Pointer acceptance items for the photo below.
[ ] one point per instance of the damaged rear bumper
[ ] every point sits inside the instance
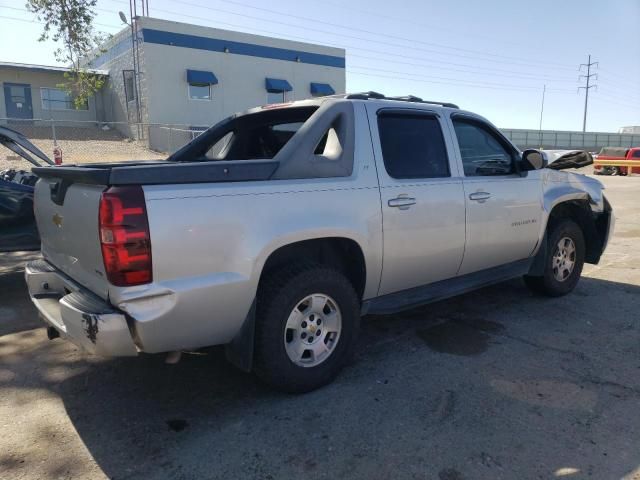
(77, 314)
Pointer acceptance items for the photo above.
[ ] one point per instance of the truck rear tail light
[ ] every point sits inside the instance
(124, 236)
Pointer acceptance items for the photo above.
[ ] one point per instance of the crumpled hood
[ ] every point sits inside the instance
(561, 159)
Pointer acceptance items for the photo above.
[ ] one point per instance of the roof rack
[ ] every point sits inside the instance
(405, 98)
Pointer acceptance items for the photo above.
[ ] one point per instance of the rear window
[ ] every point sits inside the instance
(255, 136)
(412, 146)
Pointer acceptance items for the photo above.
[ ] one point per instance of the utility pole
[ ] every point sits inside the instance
(544, 89)
(588, 85)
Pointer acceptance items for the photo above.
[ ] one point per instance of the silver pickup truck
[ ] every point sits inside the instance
(276, 229)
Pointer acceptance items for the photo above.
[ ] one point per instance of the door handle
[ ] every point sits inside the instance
(403, 202)
(480, 197)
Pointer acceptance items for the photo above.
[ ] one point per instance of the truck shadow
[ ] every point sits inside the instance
(202, 418)
(17, 313)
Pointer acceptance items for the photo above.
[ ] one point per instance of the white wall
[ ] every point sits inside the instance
(241, 78)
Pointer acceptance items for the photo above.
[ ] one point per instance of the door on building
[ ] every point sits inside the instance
(17, 100)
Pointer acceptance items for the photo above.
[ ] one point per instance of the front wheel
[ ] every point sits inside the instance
(563, 263)
(306, 327)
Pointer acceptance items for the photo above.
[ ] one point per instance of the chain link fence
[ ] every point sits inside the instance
(92, 141)
(88, 142)
(566, 140)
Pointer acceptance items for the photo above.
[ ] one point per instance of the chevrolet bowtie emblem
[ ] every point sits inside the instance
(57, 220)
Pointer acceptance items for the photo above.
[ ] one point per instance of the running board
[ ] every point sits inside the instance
(417, 296)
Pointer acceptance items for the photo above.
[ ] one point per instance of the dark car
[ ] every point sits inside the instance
(17, 224)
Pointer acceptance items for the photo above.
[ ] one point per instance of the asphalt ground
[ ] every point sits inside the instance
(495, 384)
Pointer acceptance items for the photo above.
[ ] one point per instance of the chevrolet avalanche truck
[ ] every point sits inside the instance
(276, 229)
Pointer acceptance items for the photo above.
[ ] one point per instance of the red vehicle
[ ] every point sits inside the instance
(615, 161)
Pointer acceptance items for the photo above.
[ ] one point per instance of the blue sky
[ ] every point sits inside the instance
(492, 57)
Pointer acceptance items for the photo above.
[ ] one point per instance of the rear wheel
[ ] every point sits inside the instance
(564, 260)
(306, 329)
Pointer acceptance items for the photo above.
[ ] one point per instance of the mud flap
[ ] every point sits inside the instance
(537, 267)
(239, 351)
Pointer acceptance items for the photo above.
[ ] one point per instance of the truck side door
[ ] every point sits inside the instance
(504, 208)
(422, 198)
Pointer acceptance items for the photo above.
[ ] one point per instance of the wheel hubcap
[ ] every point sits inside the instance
(313, 329)
(564, 259)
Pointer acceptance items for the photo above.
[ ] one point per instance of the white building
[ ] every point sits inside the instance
(192, 76)
(631, 129)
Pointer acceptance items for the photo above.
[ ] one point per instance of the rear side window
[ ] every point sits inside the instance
(412, 146)
(636, 154)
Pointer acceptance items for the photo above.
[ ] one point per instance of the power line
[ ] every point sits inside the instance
(619, 100)
(608, 101)
(396, 75)
(38, 22)
(455, 83)
(618, 79)
(472, 69)
(526, 87)
(619, 85)
(410, 20)
(376, 34)
(350, 47)
(626, 98)
(369, 40)
(587, 78)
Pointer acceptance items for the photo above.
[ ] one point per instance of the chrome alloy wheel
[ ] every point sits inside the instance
(564, 259)
(312, 331)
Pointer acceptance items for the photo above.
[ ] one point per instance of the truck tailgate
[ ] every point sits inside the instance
(68, 225)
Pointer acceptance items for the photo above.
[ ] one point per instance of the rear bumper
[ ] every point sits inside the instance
(79, 315)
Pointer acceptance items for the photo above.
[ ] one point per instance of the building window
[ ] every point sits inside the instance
(200, 91)
(321, 89)
(57, 99)
(128, 77)
(276, 97)
(200, 82)
(277, 90)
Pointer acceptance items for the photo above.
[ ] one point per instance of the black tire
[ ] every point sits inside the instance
(548, 284)
(279, 293)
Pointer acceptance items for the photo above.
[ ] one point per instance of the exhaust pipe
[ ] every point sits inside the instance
(173, 357)
(52, 333)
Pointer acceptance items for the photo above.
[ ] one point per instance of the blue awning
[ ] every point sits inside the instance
(275, 85)
(321, 89)
(200, 76)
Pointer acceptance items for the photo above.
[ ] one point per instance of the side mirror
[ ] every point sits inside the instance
(532, 160)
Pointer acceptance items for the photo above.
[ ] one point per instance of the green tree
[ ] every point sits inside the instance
(70, 23)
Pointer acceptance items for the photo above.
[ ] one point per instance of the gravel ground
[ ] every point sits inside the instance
(496, 384)
(79, 145)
